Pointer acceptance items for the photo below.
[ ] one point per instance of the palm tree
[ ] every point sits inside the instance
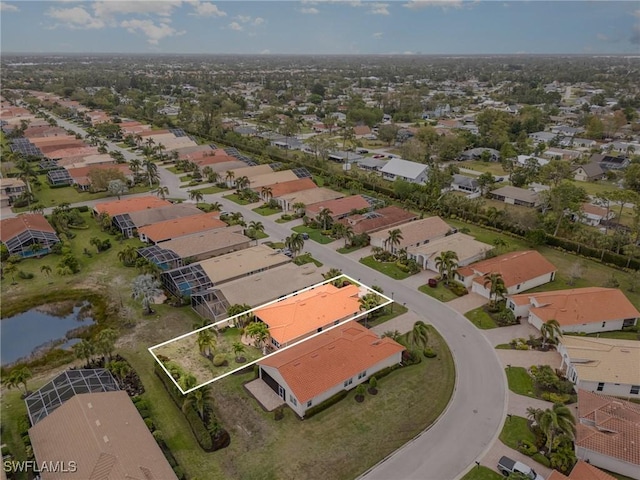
(17, 377)
(105, 342)
(259, 332)
(119, 369)
(198, 399)
(348, 234)
(11, 269)
(394, 239)
(333, 273)
(145, 288)
(298, 208)
(447, 263)
(295, 243)
(46, 269)
(37, 208)
(324, 218)
(84, 349)
(418, 337)
(267, 193)
(367, 303)
(550, 331)
(196, 195)
(162, 192)
(137, 138)
(238, 349)
(187, 381)
(128, 255)
(557, 420)
(206, 342)
(151, 169)
(216, 206)
(242, 183)
(27, 173)
(497, 288)
(254, 228)
(229, 178)
(135, 164)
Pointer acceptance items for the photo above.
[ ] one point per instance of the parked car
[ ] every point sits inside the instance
(305, 236)
(508, 466)
(378, 156)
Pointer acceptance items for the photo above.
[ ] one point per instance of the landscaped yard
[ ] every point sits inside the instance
(482, 473)
(390, 311)
(266, 211)
(345, 250)
(481, 319)
(440, 292)
(235, 198)
(492, 167)
(306, 258)
(388, 268)
(210, 190)
(520, 381)
(516, 430)
(618, 335)
(314, 234)
(342, 441)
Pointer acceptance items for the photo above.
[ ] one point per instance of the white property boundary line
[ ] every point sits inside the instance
(230, 319)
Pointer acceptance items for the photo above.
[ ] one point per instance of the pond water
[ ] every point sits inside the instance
(35, 330)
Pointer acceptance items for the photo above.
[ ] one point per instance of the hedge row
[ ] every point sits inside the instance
(326, 404)
(199, 429)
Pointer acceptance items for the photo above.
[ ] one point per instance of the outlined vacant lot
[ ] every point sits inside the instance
(285, 322)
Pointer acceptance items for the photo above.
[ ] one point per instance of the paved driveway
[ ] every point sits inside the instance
(467, 303)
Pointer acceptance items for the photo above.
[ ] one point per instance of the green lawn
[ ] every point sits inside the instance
(520, 381)
(51, 197)
(391, 311)
(440, 292)
(388, 268)
(481, 319)
(515, 430)
(266, 211)
(275, 245)
(492, 167)
(338, 441)
(260, 235)
(235, 198)
(306, 258)
(345, 250)
(314, 234)
(210, 190)
(175, 170)
(281, 220)
(619, 335)
(482, 473)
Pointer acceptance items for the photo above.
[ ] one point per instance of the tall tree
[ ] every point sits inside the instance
(295, 243)
(550, 331)
(206, 342)
(418, 336)
(394, 239)
(497, 288)
(145, 288)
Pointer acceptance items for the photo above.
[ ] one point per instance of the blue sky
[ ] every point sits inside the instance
(321, 27)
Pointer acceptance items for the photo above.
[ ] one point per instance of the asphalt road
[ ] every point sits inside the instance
(474, 416)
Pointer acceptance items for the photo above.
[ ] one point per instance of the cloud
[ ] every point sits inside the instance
(378, 8)
(244, 18)
(266, 51)
(416, 4)
(75, 18)
(110, 9)
(377, 35)
(258, 21)
(310, 11)
(6, 7)
(206, 9)
(602, 36)
(235, 26)
(635, 29)
(154, 32)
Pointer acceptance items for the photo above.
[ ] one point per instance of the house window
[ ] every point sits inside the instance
(600, 387)
(309, 403)
(635, 389)
(362, 375)
(628, 322)
(293, 400)
(518, 287)
(604, 324)
(348, 382)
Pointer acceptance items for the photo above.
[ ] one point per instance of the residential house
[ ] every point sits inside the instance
(302, 315)
(589, 310)
(209, 243)
(27, 235)
(516, 196)
(338, 359)
(581, 471)
(526, 159)
(605, 365)
(414, 234)
(589, 172)
(608, 433)
(259, 181)
(344, 157)
(492, 154)
(463, 183)
(543, 137)
(371, 164)
(339, 207)
(383, 218)
(467, 248)
(307, 197)
(179, 227)
(98, 435)
(128, 205)
(128, 223)
(81, 176)
(609, 162)
(10, 189)
(562, 154)
(520, 271)
(411, 172)
(582, 143)
(256, 289)
(593, 214)
(280, 189)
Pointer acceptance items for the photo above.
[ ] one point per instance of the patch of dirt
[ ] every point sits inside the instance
(57, 309)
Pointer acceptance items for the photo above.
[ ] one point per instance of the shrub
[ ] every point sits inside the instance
(429, 353)
(149, 423)
(541, 459)
(326, 404)
(556, 397)
(458, 289)
(373, 382)
(24, 275)
(158, 436)
(219, 360)
(411, 357)
(278, 413)
(83, 208)
(527, 447)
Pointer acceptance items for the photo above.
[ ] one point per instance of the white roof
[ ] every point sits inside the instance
(404, 168)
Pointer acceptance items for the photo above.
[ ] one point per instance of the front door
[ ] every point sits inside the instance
(281, 393)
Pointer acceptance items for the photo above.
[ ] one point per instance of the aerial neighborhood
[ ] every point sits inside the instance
(290, 267)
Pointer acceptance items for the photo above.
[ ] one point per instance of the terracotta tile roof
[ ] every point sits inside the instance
(80, 174)
(79, 151)
(580, 305)
(150, 216)
(515, 267)
(417, 231)
(251, 172)
(325, 361)
(380, 219)
(48, 141)
(584, 471)
(609, 426)
(128, 205)
(339, 206)
(556, 475)
(106, 437)
(10, 227)
(604, 359)
(361, 130)
(171, 229)
(291, 186)
(46, 149)
(299, 315)
(594, 210)
(312, 195)
(149, 133)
